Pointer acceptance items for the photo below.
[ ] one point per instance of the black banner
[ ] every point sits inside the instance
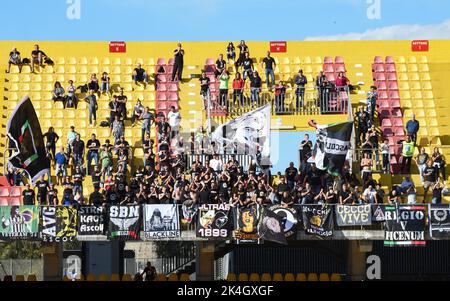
(271, 227)
(91, 220)
(247, 223)
(289, 219)
(318, 220)
(439, 220)
(58, 224)
(124, 222)
(405, 226)
(214, 221)
(353, 215)
(378, 213)
(161, 221)
(24, 131)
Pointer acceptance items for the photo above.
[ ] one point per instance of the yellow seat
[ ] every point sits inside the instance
(416, 85)
(71, 61)
(426, 85)
(91, 277)
(431, 113)
(412, 60)
(82, 69)
(423, 60)
(428, 95)
(161, 277)
(172, 277)
(424, 68)
(434, 132)
(20, 278)
(65, 278)
(149, 61)
(103, 277)
(419, 112)
(93, 61)
(32, 277)
(60, 69)
(413, 76)
(417, 95)
(401, 60)
(412, 68)
(93, 69)
(312, 277)
(116, 70)
(425, 76)
(80, 277)
(60, 61)
(429, 103)
(184, 277)
(254, 277)
(243, 277)
(277, 277)
(401, 68)
(115, 277)
(402, 77)
(324, 277)
(422, 132)
(336, 277)
(300, 277)
(116, 61)
(231, 277)
(289, 277)
(106, 61)
(127, 277)
(436, 141)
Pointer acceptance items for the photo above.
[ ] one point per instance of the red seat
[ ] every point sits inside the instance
(396, 112)
(378, 60)
(171, 61)
(15, 191)
(3, 202)
(173, 96)
(161, 96)
(328, 60)
(161, 61)
(172, 103)
(162, 106)
(15, 201)
(398, 131)
(387, 132)
(162, 78)
(339, 60)
(393, 86)
(394, 95)
(398, 122)
(328, 68)
(379, 77)
(162, 88)
(330, 77)
(169, 69)
(395, 104)
(382, 95)
(339, 68)
(384, 104)
(390, 68)
(381, 86)
(391, 76)
(210, 69)
(386, 122)
(4, 191)
(389, 60)
(172, 87)
(209, 61)
(378, 68)
(393, 160)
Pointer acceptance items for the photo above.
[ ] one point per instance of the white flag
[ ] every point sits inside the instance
(251, 132)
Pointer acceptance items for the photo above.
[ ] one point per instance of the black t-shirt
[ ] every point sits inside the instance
(314, 178)
(307, 147)
(344, 195)
(223, 188)
(111, 197)
(432, 176)
(96, 145)
(78, 178)
(437, 193)
(162, 126)
(204, 83)
(139, 72)
(220, 64)
(247, 63)
(42, 187)
(36, 53)
(28, 197)
(269, 62)
(96, 198)
(69, 189)
(179, 55)
(282, 187)
(52, 195)
(242, 49)
(291, 173)
(204, 196)
(78, 147)
(51, 137)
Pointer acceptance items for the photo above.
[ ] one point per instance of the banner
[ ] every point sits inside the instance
(19, 222)
(289, 219)
(214, 221)
(356, 215)
(91, 220)
(405, 226)
(318, 220)
(161, 221)
(250, 132)
(271, 227)
(246, 224)
(58, 224)
(439, 221)
(378, 213)
(124, 222)
(332, 145)
(25, 133)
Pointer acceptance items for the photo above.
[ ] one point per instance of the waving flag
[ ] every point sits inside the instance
(24, 132)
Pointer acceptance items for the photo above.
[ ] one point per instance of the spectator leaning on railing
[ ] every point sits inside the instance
(300, 81)
(238, 87)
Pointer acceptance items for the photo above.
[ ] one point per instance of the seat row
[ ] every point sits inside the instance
(285, 277)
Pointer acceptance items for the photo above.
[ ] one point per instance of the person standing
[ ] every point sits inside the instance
(28, 195)
(52, 139)
(269, 64)
(300, 81)
(93, 146)
(372, 97)
(305, 149)
(255, 87)
(178, 65)
(78, 151)
(412, 127)
(149, 272)
(147, 119)
(174, 118)
(421, 161)
(91, 99)
(42, 188)
(223, 89)
(117, 129)
(407, 154)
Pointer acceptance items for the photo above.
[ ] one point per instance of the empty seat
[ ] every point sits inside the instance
(377, 68)
(161, 277)
(231, 277)
(243, 277)
(126, 277)
(386, 122)
(32, 277)
(381, 86)
(312, 277)
(20, 278)
(379, 77)
(172, 277)
(4, 191)
(328, 60)
(15, 192)
(103, 277)
(335, 277)
(3, 201)
(184, 277)
(254, 277)
(277, 277)
(324, 277)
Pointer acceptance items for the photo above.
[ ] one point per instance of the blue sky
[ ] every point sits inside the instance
(200, 20)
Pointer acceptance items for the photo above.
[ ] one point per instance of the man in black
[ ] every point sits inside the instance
(93, 145)
(114, 110)
(291, 173)
(282, 187)
(78, 151)
(178, 64)
(28, 195)
(430, 177)
(52, 138)
(362, 119)
(247, 64)
(112, 198)
(52, 195)
(305, 149)
(300, 81)
(314, 177)
(96, 198)
(220, 65)
(139, 75)
(122, 100)
(37, 57)
(270, 65)
(204, 86)
(243, 49)
(163, 128)
(122, 144)
(42, 187)
(149, 272)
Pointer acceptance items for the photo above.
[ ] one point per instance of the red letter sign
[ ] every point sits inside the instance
(420, 45)
(117, 47)
(278, 46)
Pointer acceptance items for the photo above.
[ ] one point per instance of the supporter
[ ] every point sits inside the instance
(379, 195)
(71, 136)
(345, 196)
(68, 192)
(280, 95)
(223, 90)
(42, 188)
(96, 198)
(204, 86)
(366, 166)
(163, 128)
(117, 128)
(314, 178)
(386, 156)
(373, 138)
(325, 96)
(231, 53)
(93, 83)
(122, 100)
(243, 49)
(301, 81)
(149, 272)
(138, 110)
(369, 195)
(174, 119)
(238, 88)
(147, 119)
(52, 195)
(139, 75)
(93, 146)
(61, 160)
(412, 127)
(78, 149)
(178, 63)
(342, 81)
(437, 192)
(122, 162)
(58, 93)
(305, 149)
(105, 82)
(122, 145)
(321, 80)
(421, 161)
(247, 64)
(291, 173)
(362, 121)
(255, 87)
(28, 195)
(439, 163)
(408, 188)
(96, 177)
(37, 57)
(372, 97)
(220, 65)
(91, 100)
(394, 197)
(269, 64)
(77, 180)
(430, 177)
(14, 59)
(71, 98)
(105, 161)
(52, 138)
(407, 153)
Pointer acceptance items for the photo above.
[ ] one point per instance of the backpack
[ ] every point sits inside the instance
(104, 123)
(48, 61)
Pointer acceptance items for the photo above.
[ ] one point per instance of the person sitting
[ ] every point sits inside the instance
(342, 81)
(105, 82)
(58, 93)
(280, 95)
(220, 65)
(139, 75)
(37, 57)
(231, 53)
(93, 83)
(71, 98)
(138, 109)
(14, 59)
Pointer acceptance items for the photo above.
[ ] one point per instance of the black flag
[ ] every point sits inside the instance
(271, 227)
(24, 132)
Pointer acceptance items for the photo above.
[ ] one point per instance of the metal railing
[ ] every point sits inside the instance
(376, 157)
(23, 267)
(244, 160)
